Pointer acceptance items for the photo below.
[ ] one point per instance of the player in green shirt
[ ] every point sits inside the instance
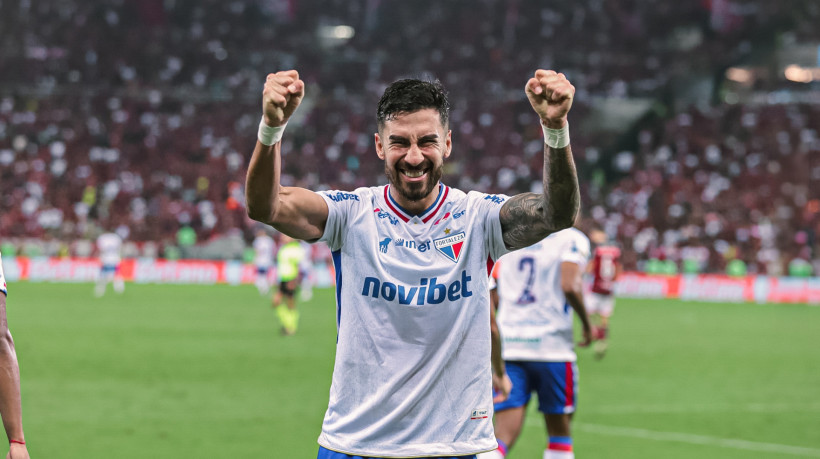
(288, 260)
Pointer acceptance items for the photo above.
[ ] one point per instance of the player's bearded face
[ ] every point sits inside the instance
(413, 147)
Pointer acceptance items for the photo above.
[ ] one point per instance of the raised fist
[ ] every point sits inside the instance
(550, 95)
(282, 94)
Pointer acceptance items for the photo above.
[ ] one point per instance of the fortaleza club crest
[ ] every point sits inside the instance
(451, 246)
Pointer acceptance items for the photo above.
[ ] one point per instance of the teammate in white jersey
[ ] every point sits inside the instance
(538, 287)
(11, 408)
(109, 246)
(263, 249)
(412, 376)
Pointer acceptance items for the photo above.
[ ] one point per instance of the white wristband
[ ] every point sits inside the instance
(556, 138)
(270, 135)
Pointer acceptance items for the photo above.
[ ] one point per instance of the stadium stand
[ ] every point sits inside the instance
(141, 115)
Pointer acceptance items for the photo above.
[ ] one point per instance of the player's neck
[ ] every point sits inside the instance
(415, 207)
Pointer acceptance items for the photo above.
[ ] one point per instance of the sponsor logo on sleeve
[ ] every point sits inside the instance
(495, 199)
(340, 196)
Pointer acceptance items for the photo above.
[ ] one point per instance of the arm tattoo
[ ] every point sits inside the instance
(527, 218)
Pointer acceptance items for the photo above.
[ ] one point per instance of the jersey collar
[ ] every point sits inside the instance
(425, 216)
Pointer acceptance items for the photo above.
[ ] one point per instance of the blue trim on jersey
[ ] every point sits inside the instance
(410, 214)
(325, 453)
(337, 265)
(547, 379)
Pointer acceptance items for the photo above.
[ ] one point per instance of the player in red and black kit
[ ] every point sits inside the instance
(605, 268)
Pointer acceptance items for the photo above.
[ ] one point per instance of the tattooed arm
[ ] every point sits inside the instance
(527, 218)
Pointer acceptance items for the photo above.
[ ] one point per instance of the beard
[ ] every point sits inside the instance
(415, 191)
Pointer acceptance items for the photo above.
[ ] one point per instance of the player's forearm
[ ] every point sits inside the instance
(495, 350)
(575, 298)
(262, 185)
(10, 406)
(561, 195)
(495, 337)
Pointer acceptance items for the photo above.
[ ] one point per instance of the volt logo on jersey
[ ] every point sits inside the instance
(451, 246)
(480, 414)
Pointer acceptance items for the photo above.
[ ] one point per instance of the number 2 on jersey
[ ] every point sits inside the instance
(527, 264)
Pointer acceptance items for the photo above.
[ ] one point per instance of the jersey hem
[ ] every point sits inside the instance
(383, 455)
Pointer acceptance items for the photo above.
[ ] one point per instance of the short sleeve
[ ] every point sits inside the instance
(576, 249)
(489, 205)
(340, 205)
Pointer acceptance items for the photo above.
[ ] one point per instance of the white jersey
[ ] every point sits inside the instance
(533, 316)
(3, 287)
(412, 375)
(263, 248)
(109, 245)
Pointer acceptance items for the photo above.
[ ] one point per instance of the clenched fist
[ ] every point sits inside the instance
(282, 95)
(550, 95)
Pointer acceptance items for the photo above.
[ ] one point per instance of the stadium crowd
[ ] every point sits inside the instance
(140, 116)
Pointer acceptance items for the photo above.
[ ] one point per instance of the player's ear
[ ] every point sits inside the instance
(448, 143)
(379, 148)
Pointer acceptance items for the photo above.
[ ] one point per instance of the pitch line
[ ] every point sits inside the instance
(697, 439)
(704, 408)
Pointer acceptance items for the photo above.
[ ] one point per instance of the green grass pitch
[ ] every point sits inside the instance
(202, 372)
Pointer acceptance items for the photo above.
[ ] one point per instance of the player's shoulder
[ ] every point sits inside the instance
(485, 198)
(361, 194)
(351, 202)
(571, 238)
(572, 234)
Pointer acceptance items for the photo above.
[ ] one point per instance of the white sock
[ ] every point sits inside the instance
(552, 454)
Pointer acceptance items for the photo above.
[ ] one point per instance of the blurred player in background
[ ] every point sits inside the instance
(605, 269)
(536, 290)
(11, 408)
(289, 262)
(109, 246)
(413, 375)
(263, 249)
(306, 273)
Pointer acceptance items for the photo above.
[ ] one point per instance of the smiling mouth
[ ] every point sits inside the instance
(414, 174)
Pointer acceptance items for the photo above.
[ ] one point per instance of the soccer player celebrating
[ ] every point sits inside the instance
(605, 269)
(263, 249)
(11, 409)
(412, 376)
(536, 290)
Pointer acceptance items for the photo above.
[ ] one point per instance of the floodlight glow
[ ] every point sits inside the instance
(343, 32)
(798, 74)
(739, 75)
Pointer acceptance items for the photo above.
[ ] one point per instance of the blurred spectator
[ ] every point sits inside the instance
(142, 115)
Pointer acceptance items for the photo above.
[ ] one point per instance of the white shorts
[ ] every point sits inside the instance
(600, 304)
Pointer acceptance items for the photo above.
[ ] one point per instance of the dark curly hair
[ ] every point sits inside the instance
(410, 95)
